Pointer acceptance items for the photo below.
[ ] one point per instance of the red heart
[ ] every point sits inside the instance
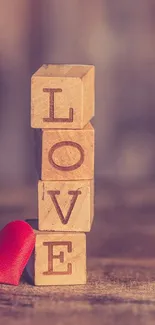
(17, 240)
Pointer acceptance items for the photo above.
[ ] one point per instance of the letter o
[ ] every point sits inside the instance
(63, 144)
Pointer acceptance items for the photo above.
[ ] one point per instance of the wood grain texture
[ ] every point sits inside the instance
(68, 154)
(59, 258)
(109, 279)
(70, 105)
(120, 289)
(65, 205)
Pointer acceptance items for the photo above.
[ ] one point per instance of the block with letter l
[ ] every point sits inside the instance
(59, 259)
(62, 96)
(65, 154)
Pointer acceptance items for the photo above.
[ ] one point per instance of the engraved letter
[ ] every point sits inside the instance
(74, 194)
(60, 257)
(51, 117)
(63, 144)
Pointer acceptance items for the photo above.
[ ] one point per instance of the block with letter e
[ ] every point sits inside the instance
(65, 154)
(59, 259)
(62, 96)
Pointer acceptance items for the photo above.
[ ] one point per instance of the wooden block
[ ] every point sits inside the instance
(62, 96)
(66, 154)
(59, 259)
(65, 205)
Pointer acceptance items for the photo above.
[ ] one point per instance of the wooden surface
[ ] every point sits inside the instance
(62, 96)
(121, 263)
(68, 154)
(117, 292)
(65, 205)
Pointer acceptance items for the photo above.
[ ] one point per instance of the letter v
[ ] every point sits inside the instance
(53, 194)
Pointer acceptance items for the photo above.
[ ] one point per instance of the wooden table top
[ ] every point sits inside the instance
(121, 263)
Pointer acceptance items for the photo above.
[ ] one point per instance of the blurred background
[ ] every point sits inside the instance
(118, 37)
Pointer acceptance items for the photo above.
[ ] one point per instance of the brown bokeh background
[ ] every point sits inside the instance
(118, 37)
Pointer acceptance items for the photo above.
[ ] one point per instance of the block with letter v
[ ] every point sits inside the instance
(65, 205)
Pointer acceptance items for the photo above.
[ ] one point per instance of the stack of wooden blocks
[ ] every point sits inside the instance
(62, 105)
